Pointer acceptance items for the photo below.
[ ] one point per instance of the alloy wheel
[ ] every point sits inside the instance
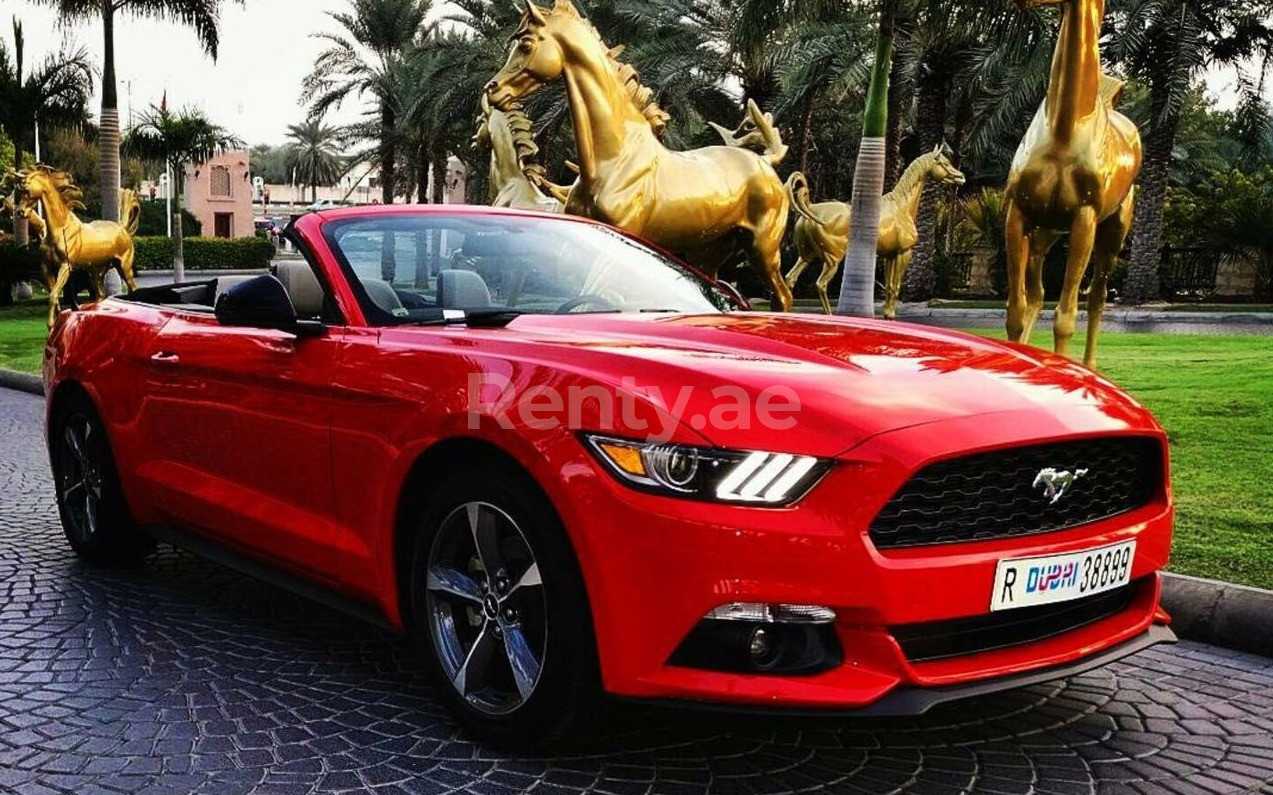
(80, 477)
(486, 608)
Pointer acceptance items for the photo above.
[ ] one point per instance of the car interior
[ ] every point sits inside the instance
(297, 277)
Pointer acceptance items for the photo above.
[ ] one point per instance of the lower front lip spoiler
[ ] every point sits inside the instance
(911, 701)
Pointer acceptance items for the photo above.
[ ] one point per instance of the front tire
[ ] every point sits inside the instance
(499, 605)
(90, 501)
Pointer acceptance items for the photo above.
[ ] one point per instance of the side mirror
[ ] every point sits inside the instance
(263, 302)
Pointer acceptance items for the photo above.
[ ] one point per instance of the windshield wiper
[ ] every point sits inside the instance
(473, 318)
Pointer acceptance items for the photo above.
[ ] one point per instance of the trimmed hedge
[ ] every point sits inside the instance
(206, 253)
(154, 221)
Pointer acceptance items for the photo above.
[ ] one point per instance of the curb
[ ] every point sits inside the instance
(1232, 616)
(22, 382)
(1222, 614)
(1126, 316)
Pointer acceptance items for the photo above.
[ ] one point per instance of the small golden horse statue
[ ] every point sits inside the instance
(515, 180)
(67, 243)
(822, 230)
(710, 205)
(1074, 172)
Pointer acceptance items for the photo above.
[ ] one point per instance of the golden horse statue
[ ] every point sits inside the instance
(822, 230)
(515, 180)
(709, 205)
(758, 133)
(67, 243)
(1074, 172)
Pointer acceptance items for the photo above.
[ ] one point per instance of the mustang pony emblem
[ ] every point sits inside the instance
(1055, 484)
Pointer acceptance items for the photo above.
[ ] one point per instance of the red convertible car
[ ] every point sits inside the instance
(572, 466)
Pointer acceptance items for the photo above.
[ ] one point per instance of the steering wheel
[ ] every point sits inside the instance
(590, 299)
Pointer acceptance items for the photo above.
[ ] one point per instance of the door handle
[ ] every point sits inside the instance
(167, 358)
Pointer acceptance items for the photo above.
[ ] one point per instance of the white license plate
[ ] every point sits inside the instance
(1028, 582)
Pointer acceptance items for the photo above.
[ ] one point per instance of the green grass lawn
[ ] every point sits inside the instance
(1213, 394)
(22, 333)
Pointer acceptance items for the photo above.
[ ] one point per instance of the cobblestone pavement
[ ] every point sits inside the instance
(184, 677)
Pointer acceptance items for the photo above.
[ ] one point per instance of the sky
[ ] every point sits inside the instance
(267, 48)
(252, 88)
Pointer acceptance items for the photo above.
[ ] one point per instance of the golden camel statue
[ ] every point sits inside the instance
(68, 243)
(822, 230)
(709, 205)
(515, 180)
(1074, 172)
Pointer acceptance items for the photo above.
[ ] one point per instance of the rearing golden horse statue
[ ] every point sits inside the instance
(708, 204)
(515, 179)
(68, 243)
(822, 230)
(1074, 172)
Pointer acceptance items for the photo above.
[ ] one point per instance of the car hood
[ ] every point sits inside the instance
(853, 378)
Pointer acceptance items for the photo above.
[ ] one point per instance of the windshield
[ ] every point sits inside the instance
(408, 267)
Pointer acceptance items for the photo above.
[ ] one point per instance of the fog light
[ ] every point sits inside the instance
(760, 648)
(761, 644)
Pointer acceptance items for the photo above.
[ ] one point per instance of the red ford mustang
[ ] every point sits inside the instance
(572, 466)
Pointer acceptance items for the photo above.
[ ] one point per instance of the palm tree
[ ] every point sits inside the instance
(178, 139)
(1168, 43)
(947, 43)
(313, 154)
(857, 290)
(55, 93)
(360, 64)
(201, 15)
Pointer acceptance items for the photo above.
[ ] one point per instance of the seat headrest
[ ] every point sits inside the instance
(224, 283)
(384, 296)
(302, 287)
(462, 290)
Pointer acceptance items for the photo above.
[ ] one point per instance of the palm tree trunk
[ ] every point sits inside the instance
(438, 189)
(388, 155)
(1142, 284)
(422, 168)
(179, 235)
(806, 131)
(920, 282)
(21, 229)
(857, 290)
(896, 108)
(108, 136)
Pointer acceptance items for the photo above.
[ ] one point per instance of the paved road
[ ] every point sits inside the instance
(184, 677)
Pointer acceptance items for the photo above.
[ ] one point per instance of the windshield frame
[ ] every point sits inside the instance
(376, 317)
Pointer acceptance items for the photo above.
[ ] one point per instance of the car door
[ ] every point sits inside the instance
(238, 424)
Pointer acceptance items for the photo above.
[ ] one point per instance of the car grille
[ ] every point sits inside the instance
(964, 636)
(993, 495)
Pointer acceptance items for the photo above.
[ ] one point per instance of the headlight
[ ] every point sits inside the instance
(701, 473)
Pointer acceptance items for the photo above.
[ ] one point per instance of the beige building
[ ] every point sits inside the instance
(219, 194)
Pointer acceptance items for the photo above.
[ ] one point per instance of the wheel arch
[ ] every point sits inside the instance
(420, 486)
(65, 392)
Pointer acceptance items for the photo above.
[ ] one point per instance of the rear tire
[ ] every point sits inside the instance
(512, 649)
(90, 501)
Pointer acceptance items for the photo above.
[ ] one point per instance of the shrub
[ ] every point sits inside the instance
(17, 264)
(206, 253)
(154, 221)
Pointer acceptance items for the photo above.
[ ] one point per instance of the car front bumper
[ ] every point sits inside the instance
(655, 567)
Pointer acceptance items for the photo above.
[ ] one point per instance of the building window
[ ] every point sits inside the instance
(223, 224)
(221, 182)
